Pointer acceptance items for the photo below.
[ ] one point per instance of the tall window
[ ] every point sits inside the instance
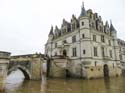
(95, 63)
(94, 37)
(110, 52)
(74, 52)
(64, 53)
(74, 39)
(95, 51)
(109, 42)
(103, 51)
(102, 38)
(84, 51)
(83, 35)
(120, 57)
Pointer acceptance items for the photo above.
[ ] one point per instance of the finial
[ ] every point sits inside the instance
(110, 21)
(111, 26)
(51, 30)
(82, 4)
(83, 12)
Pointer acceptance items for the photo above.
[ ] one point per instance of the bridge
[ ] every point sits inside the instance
(31, 66)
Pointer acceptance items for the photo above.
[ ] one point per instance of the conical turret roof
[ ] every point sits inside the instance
(112, 27)
(51, 31)
(83, 11)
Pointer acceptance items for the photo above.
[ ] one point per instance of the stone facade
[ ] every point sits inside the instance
(90, 44)
(4, 61)
(58, 67)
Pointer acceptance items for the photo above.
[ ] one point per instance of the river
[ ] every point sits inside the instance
(15, 83)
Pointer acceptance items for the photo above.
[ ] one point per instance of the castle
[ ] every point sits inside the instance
(85, 47)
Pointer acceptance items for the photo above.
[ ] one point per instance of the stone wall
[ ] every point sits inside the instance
(4, 60)
(58, 67)
(36, 68)
(97, 72)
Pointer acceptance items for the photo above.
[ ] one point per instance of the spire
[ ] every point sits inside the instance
(51, 31)
(111, 26)
(83, 12)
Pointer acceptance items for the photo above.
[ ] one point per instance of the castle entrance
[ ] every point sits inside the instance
(106, 70)
(64, 53)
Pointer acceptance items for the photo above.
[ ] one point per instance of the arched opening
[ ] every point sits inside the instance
(24, 71)
(64, 53)
(67, 73)
(27, 77)
(106, 71)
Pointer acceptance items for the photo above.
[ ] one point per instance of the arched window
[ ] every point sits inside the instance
(64, 53)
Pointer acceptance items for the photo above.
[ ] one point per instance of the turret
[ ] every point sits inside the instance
(83, 11)
(83, 18)
(48, 46)
(51, 34)
(113, 30)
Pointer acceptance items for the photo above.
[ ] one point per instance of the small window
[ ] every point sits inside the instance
(55, 53)
(99, 69)
(102, 38)
(74, 39)
(110, 52)
(94, 37)
(93, 25)
(103, 51)
(95, 63)
(64, 53)
(64, 41)
(84, 51)
(83, 35)
(92, 69)
(95, 51)
(82, 23)
(74, 53)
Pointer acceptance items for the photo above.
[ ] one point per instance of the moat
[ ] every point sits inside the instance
(16, 84)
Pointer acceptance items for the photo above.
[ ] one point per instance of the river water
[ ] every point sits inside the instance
(15, 83)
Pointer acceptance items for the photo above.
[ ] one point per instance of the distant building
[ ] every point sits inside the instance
(91, 46)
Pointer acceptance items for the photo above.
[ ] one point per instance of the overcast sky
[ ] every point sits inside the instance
(25, 24)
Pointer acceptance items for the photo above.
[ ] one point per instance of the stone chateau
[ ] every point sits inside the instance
(85, 47)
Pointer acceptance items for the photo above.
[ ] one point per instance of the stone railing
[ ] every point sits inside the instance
(4, 55)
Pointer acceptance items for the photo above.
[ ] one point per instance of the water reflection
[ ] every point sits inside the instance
(112, 85)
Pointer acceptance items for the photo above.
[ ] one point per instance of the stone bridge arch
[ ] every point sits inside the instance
(23, 69)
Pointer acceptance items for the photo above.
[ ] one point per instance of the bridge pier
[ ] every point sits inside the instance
(4, 61)
(36, 73)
